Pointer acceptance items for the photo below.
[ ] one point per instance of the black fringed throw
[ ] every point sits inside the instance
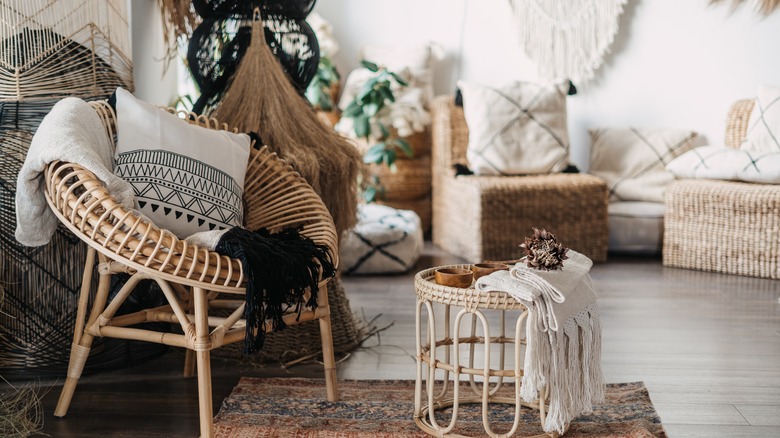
(279, 268)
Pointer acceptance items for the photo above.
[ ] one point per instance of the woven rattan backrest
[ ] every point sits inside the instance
(737, 122)
(450, 134)
(275, 197)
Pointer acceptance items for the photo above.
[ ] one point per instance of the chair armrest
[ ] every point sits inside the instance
(450, 135)
(84, 205)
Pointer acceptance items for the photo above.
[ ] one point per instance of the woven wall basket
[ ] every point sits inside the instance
(51, 49)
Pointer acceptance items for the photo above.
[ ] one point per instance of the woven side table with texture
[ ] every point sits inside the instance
(441, 351)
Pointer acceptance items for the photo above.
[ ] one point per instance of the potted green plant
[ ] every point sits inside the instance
(365, 111)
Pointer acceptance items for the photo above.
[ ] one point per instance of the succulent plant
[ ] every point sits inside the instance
(543, 251)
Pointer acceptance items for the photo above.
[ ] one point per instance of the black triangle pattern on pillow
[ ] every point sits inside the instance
(165, 182)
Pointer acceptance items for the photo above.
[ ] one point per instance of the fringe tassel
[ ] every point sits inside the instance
(567, 41)
(280, 268)
(261, 98)
(567, 361)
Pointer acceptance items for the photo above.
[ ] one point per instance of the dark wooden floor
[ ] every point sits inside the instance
(706, 345)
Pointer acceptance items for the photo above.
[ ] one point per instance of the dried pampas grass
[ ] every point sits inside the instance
(262, 99)
(764, 7)
(179, 19)
(21, 412)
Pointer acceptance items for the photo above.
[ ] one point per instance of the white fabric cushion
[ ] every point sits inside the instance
(384, 241)
(186, 178)
(636, 227)
(516, 129)
(632, 161)
(719, 162)
(763, 132)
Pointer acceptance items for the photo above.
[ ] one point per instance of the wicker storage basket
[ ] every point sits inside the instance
(724, 226)
(411, 180)
(487, 217)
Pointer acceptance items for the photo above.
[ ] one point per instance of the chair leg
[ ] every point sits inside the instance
(202, 346)
(328, 358)
(189, 363)
(82, 341)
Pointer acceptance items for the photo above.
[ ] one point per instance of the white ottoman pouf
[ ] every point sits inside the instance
(384, 241)
(636, 227)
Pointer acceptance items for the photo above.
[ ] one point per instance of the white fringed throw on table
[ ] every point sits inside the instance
(563, 334)
(567, 40)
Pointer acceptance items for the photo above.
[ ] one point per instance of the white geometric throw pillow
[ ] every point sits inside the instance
(719, 162)
(186, 178)
(632, 161)
(517, 129)
(763, 132)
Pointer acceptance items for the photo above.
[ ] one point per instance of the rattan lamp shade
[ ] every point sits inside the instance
(50, 49)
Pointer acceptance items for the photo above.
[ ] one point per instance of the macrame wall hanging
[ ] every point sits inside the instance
(567, 39)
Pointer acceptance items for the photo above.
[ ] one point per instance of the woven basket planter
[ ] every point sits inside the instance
(412, 179)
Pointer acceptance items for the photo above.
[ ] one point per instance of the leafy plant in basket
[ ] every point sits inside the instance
(365, 110)
(320, 90)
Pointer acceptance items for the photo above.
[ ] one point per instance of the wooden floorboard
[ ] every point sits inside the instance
(706, 345)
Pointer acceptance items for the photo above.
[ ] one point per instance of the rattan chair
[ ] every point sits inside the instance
(194, 280)
(724, 226)
(486, 217)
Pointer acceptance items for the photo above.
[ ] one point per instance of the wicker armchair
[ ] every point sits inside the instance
(486, 217)
(724, 226)
(193, 280)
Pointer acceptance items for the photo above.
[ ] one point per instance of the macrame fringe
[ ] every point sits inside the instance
(567, 361)
(567, 41)
(261, 98)
(280, 268)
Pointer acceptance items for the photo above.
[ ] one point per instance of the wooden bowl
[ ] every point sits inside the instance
(453, 277)
(482, 269)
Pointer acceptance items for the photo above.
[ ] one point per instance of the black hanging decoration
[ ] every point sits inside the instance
(220, 41)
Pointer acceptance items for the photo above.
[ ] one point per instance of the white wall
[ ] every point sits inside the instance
(152, 84)
(674, 63)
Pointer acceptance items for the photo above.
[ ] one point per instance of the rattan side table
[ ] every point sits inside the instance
(439, 301)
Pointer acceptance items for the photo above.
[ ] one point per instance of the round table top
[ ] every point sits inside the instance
(428, 290)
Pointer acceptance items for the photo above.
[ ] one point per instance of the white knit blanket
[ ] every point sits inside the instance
(563, 336)
(71, 132)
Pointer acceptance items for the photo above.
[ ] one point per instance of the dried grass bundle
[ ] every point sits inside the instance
(179, 20)
(764, 7)
(21, 412)
(262, 99)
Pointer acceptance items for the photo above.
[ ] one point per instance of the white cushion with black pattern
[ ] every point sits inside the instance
(763, 131)
(632, 161)
(384, 241)
(186, 178)
(516, 129)
(719, 162)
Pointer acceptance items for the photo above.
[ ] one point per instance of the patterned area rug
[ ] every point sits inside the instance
(384, 408)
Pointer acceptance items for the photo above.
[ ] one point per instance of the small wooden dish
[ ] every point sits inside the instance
(453, 277)
(482, 269)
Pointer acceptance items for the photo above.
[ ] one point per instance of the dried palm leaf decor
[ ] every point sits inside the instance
(51, 49)
(763, 7)
(262, 99)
